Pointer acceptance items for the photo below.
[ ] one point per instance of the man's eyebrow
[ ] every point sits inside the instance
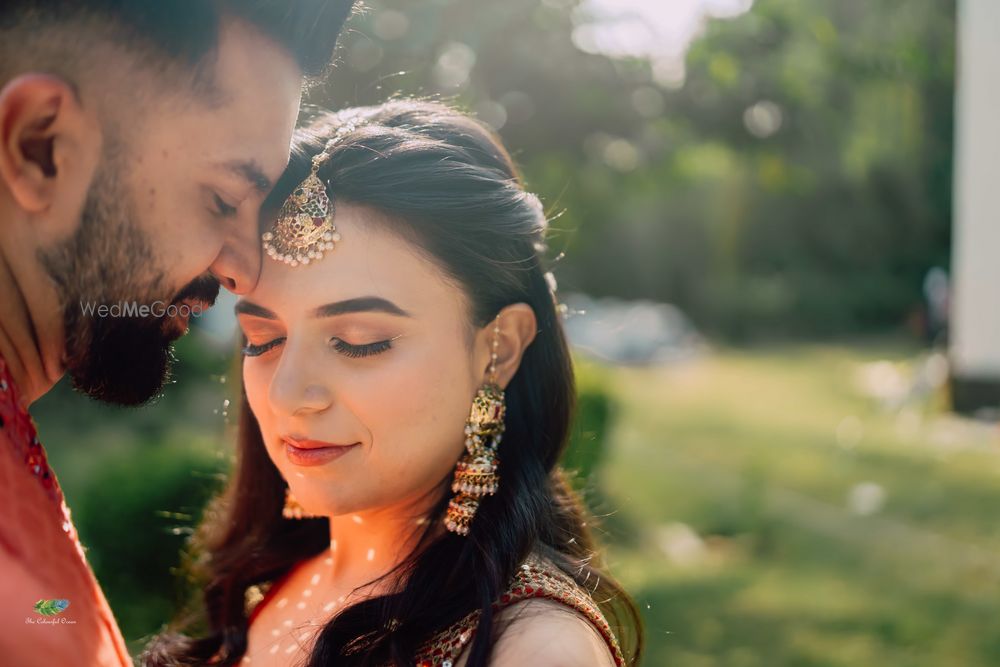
(251, 172)
(245, 307)
(364, 304)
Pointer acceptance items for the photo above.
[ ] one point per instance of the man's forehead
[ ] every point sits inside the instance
(260, 85)
(252, 66)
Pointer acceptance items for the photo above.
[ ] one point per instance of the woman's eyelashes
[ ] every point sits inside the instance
(338, 344)
(251, 350)
(356, 351)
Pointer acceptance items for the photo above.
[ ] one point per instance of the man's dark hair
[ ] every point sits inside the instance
(186, 31)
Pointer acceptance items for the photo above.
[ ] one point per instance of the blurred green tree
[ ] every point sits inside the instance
(798, 182)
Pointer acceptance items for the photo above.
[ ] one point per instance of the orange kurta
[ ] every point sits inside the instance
(41, 559)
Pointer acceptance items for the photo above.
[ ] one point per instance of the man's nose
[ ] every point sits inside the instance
(237, 266)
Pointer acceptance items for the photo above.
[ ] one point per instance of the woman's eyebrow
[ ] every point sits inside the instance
(244, 307)
(364, 304)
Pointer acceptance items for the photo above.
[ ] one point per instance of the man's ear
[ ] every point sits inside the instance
(49, 146)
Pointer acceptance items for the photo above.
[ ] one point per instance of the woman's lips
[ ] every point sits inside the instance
(313, 452)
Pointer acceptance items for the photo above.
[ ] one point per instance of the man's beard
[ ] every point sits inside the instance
(109, 260)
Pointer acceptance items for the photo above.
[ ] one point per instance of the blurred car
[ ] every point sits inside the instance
(630, 332)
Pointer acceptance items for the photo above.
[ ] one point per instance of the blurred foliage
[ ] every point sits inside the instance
(799, 182)
(587, 446)
(138, 511)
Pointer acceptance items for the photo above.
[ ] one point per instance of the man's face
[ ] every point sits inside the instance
(172, 212)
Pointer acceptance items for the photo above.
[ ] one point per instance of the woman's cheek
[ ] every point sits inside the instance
(434, 419)
(255, 383)
(402, 411)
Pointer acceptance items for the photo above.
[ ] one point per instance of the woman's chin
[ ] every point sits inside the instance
(322, 505)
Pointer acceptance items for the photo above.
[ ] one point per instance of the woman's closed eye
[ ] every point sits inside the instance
(251, 350)
(366, 350)
(338, 344)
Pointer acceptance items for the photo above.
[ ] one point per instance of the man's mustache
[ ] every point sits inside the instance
(203, 288)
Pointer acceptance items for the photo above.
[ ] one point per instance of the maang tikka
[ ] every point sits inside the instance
(476, 472)
(304, 231)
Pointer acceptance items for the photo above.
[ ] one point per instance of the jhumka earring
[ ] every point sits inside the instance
(292, 508)
(476, 472)
(304, 229)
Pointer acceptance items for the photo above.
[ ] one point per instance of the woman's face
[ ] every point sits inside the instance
(371, 347)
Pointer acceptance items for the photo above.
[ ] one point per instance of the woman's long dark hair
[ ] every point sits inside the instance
(445, 183)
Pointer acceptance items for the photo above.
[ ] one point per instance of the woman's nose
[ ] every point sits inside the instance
(298, 386)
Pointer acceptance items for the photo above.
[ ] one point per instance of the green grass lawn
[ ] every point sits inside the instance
(727, 487)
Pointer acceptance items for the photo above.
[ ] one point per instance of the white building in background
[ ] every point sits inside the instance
(975, 315)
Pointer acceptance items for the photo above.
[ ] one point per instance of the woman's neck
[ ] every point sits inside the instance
(367, 545)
